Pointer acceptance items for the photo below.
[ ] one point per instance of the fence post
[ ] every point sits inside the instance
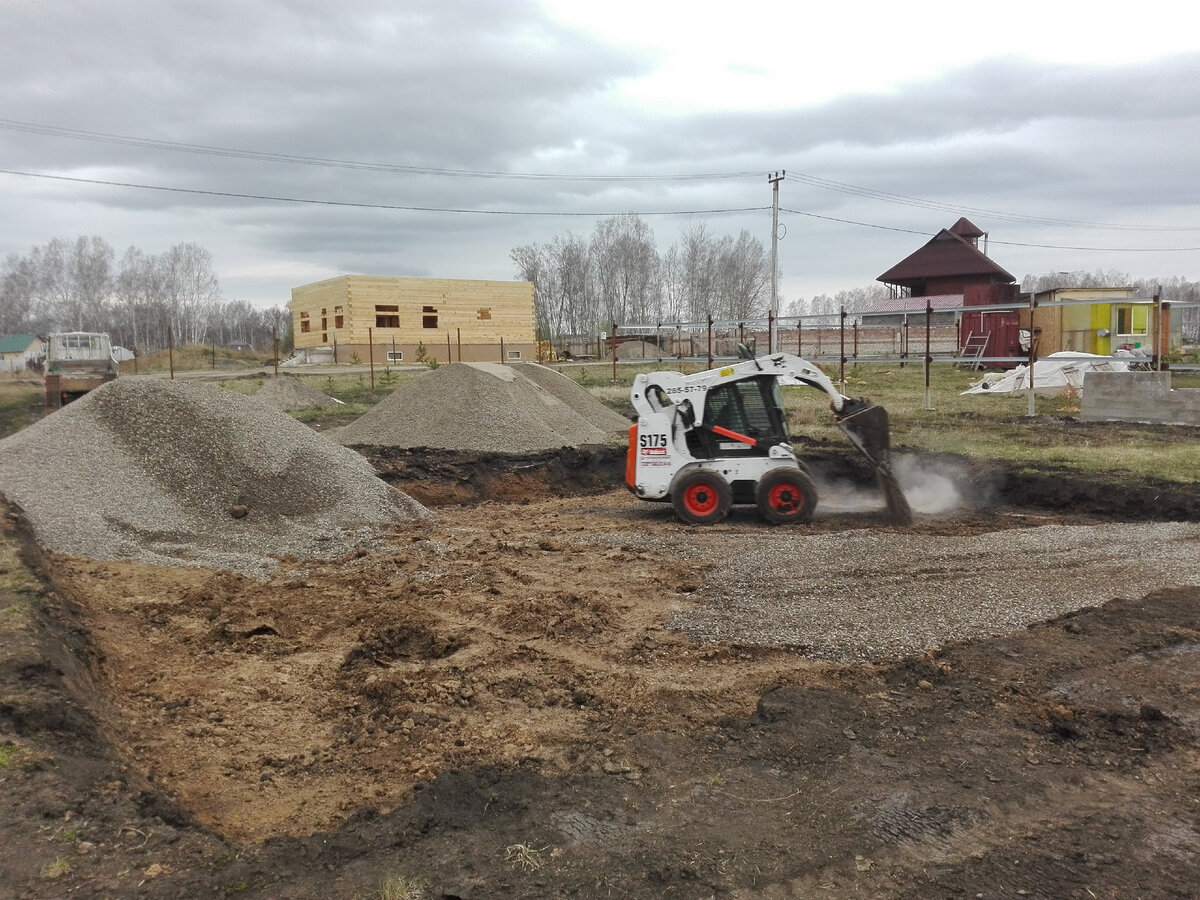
(1158, 315)
(371, 356)
(770, 331)
(928, 353)
(710, 325)
(613, 337)
(842, 350)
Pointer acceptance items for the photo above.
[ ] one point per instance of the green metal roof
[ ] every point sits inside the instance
(16, 343)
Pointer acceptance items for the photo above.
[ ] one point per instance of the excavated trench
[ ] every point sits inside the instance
(523, 675)
(936, 483)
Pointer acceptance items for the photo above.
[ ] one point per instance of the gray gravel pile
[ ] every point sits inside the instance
(287, 393)
(857, 595)
(486, 407)
(176, 473)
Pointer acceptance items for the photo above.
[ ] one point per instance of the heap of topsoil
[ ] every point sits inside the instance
(176, 473)
(522, 408)
(287, 393)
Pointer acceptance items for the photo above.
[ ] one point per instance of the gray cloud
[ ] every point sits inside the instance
(496, 87)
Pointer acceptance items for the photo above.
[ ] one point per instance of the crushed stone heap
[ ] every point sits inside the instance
(288, 393)
(177, 473)
(521, 408)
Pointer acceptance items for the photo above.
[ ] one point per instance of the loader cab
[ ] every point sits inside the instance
(750, 406)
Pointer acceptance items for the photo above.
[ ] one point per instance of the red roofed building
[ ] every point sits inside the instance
(952, 264)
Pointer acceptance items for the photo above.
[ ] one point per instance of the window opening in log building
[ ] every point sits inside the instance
(387, 316)
(429, 317)
(485, 313)
(338, 321)
(514, 354)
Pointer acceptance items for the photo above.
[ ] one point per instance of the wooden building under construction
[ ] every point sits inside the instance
(414, 320)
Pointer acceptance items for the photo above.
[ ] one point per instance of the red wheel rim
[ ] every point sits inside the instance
(785, 498)
(700, 499)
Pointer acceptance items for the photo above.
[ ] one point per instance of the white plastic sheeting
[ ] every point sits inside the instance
(1054, 374)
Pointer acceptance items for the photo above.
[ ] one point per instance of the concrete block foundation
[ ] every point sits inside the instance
(1138, 397)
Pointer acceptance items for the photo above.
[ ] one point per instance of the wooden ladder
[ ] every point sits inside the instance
(974, 347)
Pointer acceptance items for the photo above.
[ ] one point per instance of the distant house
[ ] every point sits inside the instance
(952, 270)
(16, 350)
(398, 319)
(948, 264)
(1102, 320)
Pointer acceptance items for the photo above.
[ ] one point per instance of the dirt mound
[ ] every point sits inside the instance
(177, 473)
(487, 406)
(286, 393)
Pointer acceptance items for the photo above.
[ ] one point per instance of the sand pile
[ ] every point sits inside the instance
(287, 393)
(175, 473)
(524, 408)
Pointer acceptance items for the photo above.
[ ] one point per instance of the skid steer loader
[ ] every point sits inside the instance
(719, 437)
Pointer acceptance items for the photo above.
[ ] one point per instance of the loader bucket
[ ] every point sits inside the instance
(866, 424)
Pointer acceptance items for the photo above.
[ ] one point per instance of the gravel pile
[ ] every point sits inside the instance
(487, 407)
(176, 473)
(861, 595)
(287, 393)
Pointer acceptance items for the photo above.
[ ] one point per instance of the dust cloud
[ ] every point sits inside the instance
(929, 490)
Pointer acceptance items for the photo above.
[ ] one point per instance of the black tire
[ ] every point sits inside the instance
(700, 497)
(786, 496)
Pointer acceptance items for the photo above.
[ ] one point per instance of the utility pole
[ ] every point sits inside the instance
(774, 178)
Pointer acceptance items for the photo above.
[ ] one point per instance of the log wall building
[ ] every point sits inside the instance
(392, 319)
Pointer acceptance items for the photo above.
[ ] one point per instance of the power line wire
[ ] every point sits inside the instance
(326, 162)
(800, 177)
(387, 206)
(548, 213)
(886, 197)
(800, 212)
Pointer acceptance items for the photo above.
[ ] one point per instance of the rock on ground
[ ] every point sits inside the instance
(177, 473)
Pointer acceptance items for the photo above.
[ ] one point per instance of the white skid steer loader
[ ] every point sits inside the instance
(719, 437)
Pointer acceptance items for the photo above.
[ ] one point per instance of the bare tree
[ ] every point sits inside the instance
(191, 290)
(626, 269)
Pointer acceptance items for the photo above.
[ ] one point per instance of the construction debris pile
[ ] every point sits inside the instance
(175, 473)
(287, 393)
(522, 408)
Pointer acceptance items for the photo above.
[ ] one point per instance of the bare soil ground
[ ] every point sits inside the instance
(497, 706)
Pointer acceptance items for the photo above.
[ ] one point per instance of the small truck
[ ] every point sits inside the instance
(77, 362)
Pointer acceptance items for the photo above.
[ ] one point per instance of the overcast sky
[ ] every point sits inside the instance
(302, 140)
